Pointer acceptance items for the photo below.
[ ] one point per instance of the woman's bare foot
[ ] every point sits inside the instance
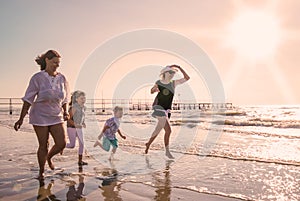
(169, 155)
(51, 166)
(147, 148)
(41, 177)
(97, 143)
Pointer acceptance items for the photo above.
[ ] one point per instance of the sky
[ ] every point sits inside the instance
(253, 44)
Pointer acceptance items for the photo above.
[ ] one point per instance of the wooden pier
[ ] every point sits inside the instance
(185, 106)
(13, 105)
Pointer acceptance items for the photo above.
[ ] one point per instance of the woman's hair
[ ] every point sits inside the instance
(75, 95)
(41, 60)
(117, 108)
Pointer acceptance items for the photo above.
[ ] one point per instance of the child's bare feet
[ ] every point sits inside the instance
(147, 148)
(82, 163)
(97, 143)
(112, 156)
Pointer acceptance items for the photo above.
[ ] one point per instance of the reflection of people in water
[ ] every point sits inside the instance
(74, 194)
(110, 185)
(163, 191)
(44, 193)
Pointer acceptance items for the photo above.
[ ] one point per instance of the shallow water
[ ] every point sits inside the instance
(254, 155)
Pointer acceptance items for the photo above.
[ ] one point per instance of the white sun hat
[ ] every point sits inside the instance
(168, 68)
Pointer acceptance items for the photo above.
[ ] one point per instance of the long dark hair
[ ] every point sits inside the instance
(41, 60)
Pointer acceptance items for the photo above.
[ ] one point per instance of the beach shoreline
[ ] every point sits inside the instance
(19, 168)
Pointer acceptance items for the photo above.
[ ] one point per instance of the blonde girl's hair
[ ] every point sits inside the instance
(75, 95)
(117, 108)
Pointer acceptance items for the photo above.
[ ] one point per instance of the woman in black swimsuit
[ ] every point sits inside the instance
(163, 103)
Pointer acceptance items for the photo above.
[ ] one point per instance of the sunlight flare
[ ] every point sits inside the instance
(254, 35)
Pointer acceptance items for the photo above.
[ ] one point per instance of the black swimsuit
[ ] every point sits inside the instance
(163, 100)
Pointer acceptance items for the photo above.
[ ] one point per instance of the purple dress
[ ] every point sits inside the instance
(46, 94)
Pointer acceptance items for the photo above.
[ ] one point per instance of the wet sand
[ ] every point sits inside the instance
(19, 168)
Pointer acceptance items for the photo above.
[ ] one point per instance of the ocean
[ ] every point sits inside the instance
(248, 152)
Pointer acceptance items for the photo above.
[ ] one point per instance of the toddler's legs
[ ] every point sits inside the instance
(80, 139)
(72, 137)
(98, 143)
(112, 153)
(81, 146)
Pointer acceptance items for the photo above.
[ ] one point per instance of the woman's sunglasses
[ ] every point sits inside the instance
(171, 72)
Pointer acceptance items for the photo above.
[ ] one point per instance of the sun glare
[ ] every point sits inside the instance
(254, 35)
